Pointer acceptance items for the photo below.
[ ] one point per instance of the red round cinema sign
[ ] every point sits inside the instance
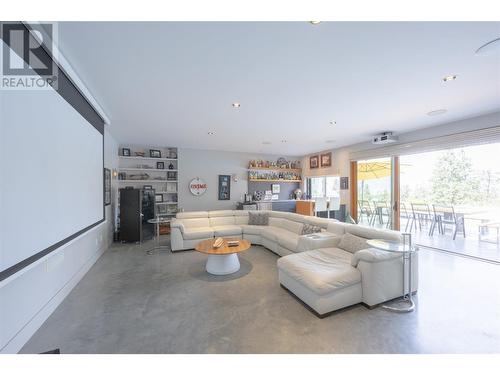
(197, 186)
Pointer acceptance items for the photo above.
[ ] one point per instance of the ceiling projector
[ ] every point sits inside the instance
(384, 138)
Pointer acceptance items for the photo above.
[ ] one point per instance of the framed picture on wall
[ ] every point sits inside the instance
(160, 165)
(326, 159)
(125, 152)
(224, 187)
(276, 188)
(107, 187)
(314, 162)
(344, 183)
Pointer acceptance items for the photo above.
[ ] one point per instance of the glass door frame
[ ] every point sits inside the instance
(395, 191)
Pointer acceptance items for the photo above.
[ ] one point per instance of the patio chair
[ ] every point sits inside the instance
(403, 214)
(421, 214)
(382, 208)
(365, 208)
(445, 215)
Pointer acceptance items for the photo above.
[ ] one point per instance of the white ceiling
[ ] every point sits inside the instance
(170, 83)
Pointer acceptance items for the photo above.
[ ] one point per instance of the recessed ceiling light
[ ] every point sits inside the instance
(333, 122)
(211, 133)
(330, 141)
(236, 105)
(450, 78)
(266, 143)
(489, 49)
(314, 22)
(283, 141)
(437, 112)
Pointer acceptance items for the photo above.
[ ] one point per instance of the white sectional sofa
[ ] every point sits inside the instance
(327, 271)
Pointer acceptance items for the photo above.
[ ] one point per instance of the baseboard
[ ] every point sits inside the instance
(23, 335)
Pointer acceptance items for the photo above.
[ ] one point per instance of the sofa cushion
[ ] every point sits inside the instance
(291, 226)
(288, 240)
(252, 229)
(258, 218)
(322, 271)
(220, 213)
(336, 227)
(373, 233)
(227, 230)
(310, 229)
(275, 222)
(240, 217)
(269, 232)
(191, 215)
(352, 243)
(195, 223)
(222, 220)
(198, 233)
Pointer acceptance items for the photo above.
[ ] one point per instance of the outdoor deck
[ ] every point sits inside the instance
(470, 245)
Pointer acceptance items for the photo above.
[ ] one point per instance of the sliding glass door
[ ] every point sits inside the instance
(375, 192)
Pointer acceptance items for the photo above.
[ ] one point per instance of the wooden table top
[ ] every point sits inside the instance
(207, 247)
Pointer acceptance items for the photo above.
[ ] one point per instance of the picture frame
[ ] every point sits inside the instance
(160, 165)
(224, 187)
(314, 162)
(107, 187)
(147, 187)
(155, 154)
(344, 183)
(158, 198)
(125, 152)
(276, 188)
(326, 159)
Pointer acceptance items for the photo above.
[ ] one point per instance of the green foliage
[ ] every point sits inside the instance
(453, 180)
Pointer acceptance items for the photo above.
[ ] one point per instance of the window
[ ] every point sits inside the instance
(326, 186)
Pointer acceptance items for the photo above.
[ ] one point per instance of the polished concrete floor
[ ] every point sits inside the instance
(131, 302)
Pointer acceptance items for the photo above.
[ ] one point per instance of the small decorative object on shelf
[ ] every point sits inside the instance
(158, 198)
(160, 165)
(171, 175)
(171, 166)
(172, 154)
(125, 152)
(154, 153)
(147, 187)
(141, 176)
(139, 153)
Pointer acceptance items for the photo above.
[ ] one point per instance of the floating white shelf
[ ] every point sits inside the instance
(148, 169)
(169, 203)
(144, 181)
(145, 158)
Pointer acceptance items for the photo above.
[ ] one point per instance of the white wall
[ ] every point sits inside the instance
(341, 156)
(208, 165)
(30, 296)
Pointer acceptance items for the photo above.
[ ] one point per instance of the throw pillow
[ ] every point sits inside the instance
(310, 229)
(258, 218)
(352, 243)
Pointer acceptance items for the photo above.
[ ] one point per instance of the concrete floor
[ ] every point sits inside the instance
(130, 302)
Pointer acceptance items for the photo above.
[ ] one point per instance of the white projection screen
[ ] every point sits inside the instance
(51, 175)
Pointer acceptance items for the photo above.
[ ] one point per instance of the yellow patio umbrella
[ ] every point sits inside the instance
(373, 170)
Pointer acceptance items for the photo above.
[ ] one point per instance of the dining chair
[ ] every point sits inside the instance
(446, 215)
(421, 214)
(365, 208)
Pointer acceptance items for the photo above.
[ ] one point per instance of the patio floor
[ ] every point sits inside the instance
(470, 245)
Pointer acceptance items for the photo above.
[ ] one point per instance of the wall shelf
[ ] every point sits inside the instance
(297, 170)
(148, 169)
(274, 180)
(145, 158)
(142, 181)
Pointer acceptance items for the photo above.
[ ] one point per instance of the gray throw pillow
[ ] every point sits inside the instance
(258, 218)
(352, 243)
(310, 229)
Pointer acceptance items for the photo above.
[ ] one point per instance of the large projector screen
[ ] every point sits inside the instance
(51, 175)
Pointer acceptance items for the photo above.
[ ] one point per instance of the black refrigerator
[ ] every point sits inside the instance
(137, 206)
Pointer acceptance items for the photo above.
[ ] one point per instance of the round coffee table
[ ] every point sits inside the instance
(222, 260)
